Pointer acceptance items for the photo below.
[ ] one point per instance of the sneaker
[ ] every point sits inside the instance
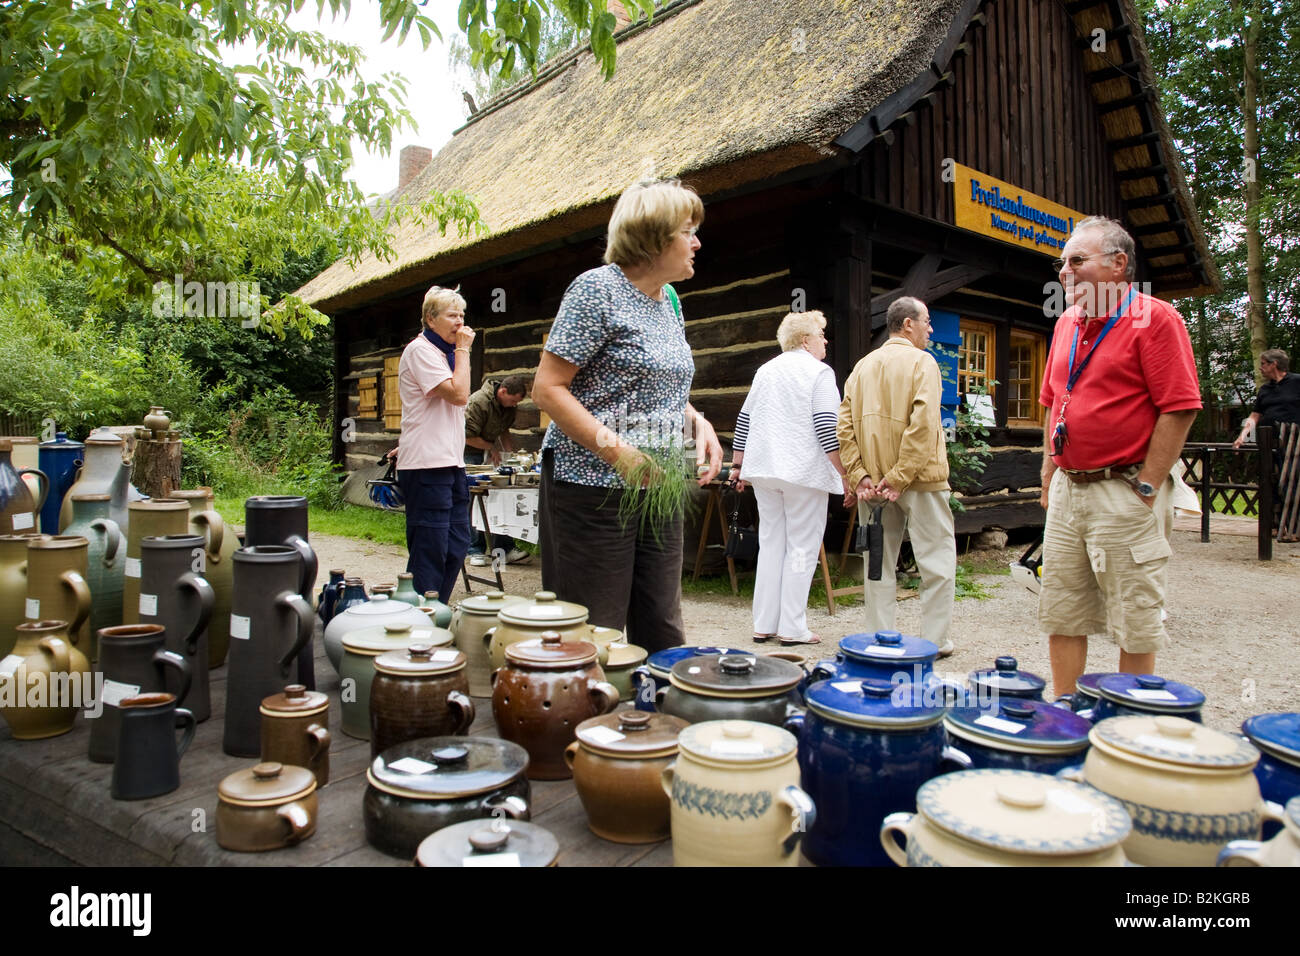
(517, 555)
(479, 560)
(947, 649)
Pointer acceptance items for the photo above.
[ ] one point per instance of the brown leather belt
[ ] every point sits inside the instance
(1101, 474)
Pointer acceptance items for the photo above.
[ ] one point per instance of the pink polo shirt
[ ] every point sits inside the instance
(433, 429)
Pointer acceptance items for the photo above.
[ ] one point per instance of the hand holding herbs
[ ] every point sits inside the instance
(658, 488)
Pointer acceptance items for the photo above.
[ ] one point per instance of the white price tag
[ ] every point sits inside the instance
(884, 650)
(33, 609)
(544, 611)
(239, 626)
(115, 692)
(148, 605)
(1165, 743)
(24, 520)
(443, 657)
(132, 567)
(693, 670)
(997, 723)
(601, 735)
(411, 765)
(1144, 693)
(492, 859)
(847, 686)
(737, 748)
(10, 663)
(1068, 802)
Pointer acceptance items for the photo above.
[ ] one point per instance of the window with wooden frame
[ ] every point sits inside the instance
(1026, 357)
(975, 362)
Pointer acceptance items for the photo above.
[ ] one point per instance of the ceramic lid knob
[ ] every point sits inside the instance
(544, 597)
(1018, 710)
(634, 720)
(551, 637)
(489, 840)
(1026, 794)
(889, 637)
(737, 729)
(267, 771)
(378, 596)
(735, 664)
(449, 755)
(295, 691)
(496, 595)
(1175, 726)
(875, 687)
(420, 652)
(398, 628)
(1005, 663)
(1150, 681)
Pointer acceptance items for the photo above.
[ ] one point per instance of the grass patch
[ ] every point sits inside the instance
(350, 521)
(967, 586)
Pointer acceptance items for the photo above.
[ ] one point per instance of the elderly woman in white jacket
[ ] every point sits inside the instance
(786, 446)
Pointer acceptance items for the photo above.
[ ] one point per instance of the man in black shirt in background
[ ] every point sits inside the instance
(1279, 397)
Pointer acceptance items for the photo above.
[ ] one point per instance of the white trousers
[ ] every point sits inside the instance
(930, 527)
(791, 521)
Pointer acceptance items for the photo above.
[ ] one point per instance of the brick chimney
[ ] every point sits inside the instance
(620, 14)
(410, 161)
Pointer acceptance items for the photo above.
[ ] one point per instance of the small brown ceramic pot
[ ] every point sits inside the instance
(295, 730)
(618, 761)
(547, 687)
(418, 692)
(266, 807)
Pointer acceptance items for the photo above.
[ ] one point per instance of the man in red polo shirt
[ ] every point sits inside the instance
(1121, 390)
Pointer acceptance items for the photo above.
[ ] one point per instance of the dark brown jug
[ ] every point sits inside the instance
(282, 519)
(175, 595)
(148, 760)
(270, 624)
(134, 660)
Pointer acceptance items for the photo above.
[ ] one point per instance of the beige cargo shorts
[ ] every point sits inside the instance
(1104, 558)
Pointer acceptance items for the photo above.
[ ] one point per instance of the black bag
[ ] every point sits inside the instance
(870, 540)
(742, 540)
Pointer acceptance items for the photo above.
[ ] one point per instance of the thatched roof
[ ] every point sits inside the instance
(725, 92)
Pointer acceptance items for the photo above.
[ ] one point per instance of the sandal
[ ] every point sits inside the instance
(810, 638)
(760, 638)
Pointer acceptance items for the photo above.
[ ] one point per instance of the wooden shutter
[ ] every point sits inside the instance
(368, 390)
(392, 396)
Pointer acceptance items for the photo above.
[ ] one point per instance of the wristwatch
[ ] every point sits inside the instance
(1144, 488)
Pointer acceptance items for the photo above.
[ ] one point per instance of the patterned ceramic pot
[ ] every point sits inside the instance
(732, 687)
(420, 691)
(649, 680)
(56, 586)
(1189, 789)
(368, 615)
(618, 762)
(357, 672)
(474, 617)
(1020, 734)
(1282, 850)
(266, 807)
(44, 681)
(424, 785)
(1145, 694)
(735, 796)
(483, 843)
(546, 688)
(1007, 818)
(865, 746)
(295, 730)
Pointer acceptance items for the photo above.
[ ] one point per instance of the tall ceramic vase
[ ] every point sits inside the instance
(106, 557)
(43, 682)
(103, 472)
(59, 460)
(13, 586)
(270, 624)
(150, 518)
(219, 546)
(174, 594)
(282, 519)
(18, 507)
(57, 588)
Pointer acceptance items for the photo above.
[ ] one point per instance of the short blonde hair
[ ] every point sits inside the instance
(645, 219)
(796, 325)
(437, 301)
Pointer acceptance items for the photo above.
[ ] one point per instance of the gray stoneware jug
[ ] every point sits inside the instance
(174, 593)
(135, 661)
(270, 624)
(282, 519)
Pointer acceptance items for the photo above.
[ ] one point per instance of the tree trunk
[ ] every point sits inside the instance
(156, 468)
(1256, 317)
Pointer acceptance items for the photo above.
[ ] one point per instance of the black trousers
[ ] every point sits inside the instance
(437, 527)
(625, 578)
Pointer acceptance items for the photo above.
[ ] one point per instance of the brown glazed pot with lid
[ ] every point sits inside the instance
(547, 687)
(420, 691)
(618, 761)
(424, 785)
(295, 730)
(266, 807)
(489, 843)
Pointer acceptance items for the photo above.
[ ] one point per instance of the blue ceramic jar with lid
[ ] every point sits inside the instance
(1006, 679)
(1017, 735)
(1122, 695)
(1277, 736)
(865, 746)
(882, 655)
(59, 459)
(652, 677)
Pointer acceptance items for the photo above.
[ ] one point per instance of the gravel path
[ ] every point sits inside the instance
(1234, 621)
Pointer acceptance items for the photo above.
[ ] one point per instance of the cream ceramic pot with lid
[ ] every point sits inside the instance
(1189, 789)
(1007, 818)
(378, 611)
(473, 617)
(735, 796)
(526, 620)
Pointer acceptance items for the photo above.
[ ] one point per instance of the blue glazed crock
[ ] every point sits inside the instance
(1277, 736)
(59, 459)
(1005, 679)
(1123, 695)
(865, 747)
(1017, 735)
(882, 655)
(652, 677)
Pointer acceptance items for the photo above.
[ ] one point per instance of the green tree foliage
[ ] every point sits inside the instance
(1197, 51)
(557, 36)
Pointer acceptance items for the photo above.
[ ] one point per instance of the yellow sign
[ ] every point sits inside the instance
(993, 208)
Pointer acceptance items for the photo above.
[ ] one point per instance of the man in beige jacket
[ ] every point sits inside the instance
(892, 445)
